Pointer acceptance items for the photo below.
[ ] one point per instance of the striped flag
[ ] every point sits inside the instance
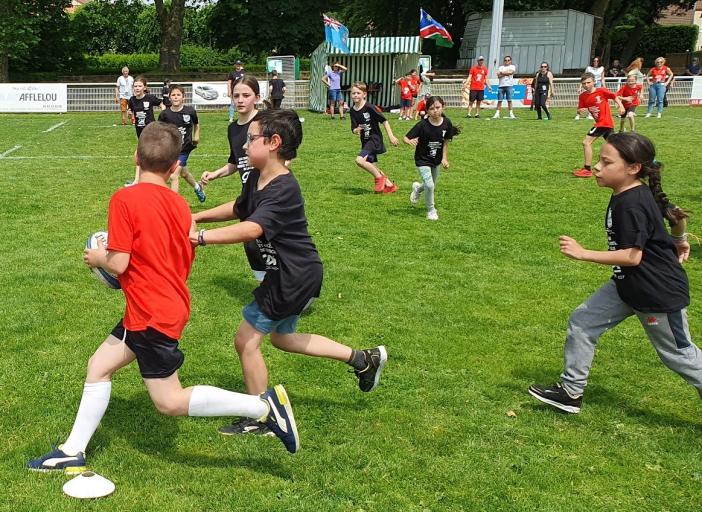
(429, 28)
(336, 34)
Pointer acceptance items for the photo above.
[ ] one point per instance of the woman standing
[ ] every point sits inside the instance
(543, 90)
(659, 78)
(597, 69)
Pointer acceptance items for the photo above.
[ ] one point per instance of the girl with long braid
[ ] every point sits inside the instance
(647, 281)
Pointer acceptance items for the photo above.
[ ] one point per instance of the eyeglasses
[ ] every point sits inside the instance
(544, 66)
(250, 137)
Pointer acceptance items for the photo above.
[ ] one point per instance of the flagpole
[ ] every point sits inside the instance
(498, 7)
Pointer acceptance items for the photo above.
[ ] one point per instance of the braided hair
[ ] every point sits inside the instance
(638, 149)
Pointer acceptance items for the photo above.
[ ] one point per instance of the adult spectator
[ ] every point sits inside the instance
(598, 72)
(694, 68)
(426, 76)
(505, 75)
(543, 90)
(659, 78)
(276, 90)
(123, 91)
(233, 79)
(332, 78)
(476, 82)
(616, 69)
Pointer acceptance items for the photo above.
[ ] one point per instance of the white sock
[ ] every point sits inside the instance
(212, 401)
(92, 408)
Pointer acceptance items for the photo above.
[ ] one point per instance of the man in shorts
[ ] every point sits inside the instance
(505, 74)
(477, 80)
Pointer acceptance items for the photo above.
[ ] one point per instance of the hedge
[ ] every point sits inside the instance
(657, 40)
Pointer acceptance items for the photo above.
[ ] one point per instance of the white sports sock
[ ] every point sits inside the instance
(212, 401)
(92, 408)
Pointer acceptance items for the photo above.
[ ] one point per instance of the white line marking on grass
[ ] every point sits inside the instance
(54, 127)
(3, 155)
(83, 157)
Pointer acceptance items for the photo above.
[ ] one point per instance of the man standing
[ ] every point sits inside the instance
(124, 91)
(505, 74)
(476, 81)
(233, 78)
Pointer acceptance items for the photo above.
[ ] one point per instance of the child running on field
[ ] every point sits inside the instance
(150, 250)
(595, 102)
(141, 107)
(365, 122)
(630, 93)
(184, 118)
(647, 280)
(430, 138)
(275, 221)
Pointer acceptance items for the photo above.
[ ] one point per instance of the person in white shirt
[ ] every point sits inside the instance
(597, 71)
(124, 91)
(505, 74)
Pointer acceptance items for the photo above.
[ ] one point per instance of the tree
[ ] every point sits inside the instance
(23, 25)
(170, 16)
(107, 26)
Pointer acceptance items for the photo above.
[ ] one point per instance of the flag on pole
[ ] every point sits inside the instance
(429, 28)
(336, 34)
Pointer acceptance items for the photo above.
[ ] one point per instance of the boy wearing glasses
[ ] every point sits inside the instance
(505, 74)
(275, 221)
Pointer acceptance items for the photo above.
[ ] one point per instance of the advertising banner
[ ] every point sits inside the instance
(696, 94)
(33, 98)
(215, 93)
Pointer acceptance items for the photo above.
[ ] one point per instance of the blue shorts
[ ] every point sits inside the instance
(368, 155)
(259, 321)
(335, 95)
(404, 103)
(504, 93)
(183, 158)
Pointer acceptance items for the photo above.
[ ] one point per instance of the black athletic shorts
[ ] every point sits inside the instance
(599, 131)
(157, 355)
(476, 95)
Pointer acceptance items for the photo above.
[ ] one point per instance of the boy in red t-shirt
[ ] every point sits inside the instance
(149, 249)
(406, 90)
(476, 81)
(595, 101)
(630, 93)
(422, 107)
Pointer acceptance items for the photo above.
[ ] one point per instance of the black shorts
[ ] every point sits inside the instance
(599, 131)
(632, 108)
(157, 355)
(476, 95)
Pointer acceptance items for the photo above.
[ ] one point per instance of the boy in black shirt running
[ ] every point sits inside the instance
(275, 220)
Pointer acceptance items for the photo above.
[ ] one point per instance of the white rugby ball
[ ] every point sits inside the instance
(102, 275)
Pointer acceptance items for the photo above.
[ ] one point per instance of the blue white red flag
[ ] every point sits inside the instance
(336, 34)
(429, 28)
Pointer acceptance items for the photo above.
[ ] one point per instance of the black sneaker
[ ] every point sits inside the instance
(246, 426)
(375, 360)
(557, 397)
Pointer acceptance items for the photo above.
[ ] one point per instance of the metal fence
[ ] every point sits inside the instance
(101, 97)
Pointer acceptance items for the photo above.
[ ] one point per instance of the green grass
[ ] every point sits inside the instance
(472, 309)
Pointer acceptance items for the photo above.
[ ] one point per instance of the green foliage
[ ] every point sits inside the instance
(656, 40)
(148, 31)
(108, 26)
(112, 63)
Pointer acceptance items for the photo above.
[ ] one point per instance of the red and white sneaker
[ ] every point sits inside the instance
(391, 188)
(379, 184)
(582, 173)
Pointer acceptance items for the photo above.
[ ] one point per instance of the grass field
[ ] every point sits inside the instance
(472, 309)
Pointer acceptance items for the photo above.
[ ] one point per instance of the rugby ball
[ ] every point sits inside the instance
(102, 275)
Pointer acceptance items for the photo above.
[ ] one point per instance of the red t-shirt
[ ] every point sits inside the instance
(627, 91)
(416, 83)
(422, 106)
(596, 102)
(478, 75)
(660, 74)
(405, 89)
(151, 223)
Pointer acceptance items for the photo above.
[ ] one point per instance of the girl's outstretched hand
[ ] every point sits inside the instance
(570, 247)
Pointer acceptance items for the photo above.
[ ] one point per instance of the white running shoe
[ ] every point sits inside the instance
(577, 117)
(414, 195)
(648, 115)
(658, 115)
(497, 115)
(589, 116)
(433, 214)
(511, 115)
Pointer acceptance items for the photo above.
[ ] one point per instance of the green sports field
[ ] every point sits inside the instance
(472, 309)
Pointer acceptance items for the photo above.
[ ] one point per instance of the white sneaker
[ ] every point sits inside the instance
(414, 195)
(658, 115)
(496, 116)
(589, 116)
(577, 117)
(511, 115)
(648, 115)
(432, 214)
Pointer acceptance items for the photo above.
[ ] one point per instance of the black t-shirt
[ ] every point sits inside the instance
(292, 264)
(542, 84)
(277, 88)
(165, 94)
(236, 134)
(370, 120)
(143, 109)
(235, 76)
(429, 149)
(659, 283)
(185, 120)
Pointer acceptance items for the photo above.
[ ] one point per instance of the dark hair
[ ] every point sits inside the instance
(142, 79)
(421, 69)
(177, 87)
(251, 82)
(585, 76)
(159, 147)
(635, 148)
(284, 123)
(456, 130)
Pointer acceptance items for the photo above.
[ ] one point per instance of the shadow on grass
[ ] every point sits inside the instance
(237, 287)
(157, 435)
(355, 191)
